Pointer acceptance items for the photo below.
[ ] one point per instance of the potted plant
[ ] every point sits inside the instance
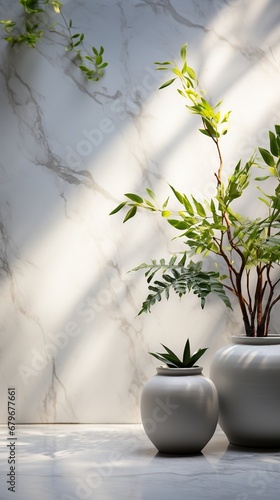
(247, 252)
(179, 405)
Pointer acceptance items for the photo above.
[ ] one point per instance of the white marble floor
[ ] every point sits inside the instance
(108, 462)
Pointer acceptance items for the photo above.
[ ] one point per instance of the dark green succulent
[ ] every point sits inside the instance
(172, 361)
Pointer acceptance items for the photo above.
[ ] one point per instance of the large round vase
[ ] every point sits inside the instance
(246, 374)
(179, 410)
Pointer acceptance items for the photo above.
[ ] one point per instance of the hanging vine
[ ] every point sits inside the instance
(29, 28)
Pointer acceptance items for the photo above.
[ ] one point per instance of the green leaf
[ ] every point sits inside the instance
(172, 354)
(118, 208)
(184, 69)
(161, 358)
(98, 59)
(188, 205)
(273, 144)
(210, 128)
(181, 92)
(57, 6)
(267, 157)
(166, 84)
(262, 178)
(186, 354)
(130, 214)
(199, 208)
(162, 63)
(195, 357)
(165, 203)
(172, 260)
(191, 73)
(184, 51)
(150, 205)
(272, 170)
(134, 197)
(168, 278)
(176, 71)
(104, 65)
(204, 132)
(178, 195)
(180, 225)
(183, 260)
(151, 193)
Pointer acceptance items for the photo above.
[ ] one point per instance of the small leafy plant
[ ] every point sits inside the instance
(31, 29)
(172, 361)
(248, 248)
(181, 279)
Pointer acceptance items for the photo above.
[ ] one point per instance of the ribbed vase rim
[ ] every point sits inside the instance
(166, 370)
(268, 340)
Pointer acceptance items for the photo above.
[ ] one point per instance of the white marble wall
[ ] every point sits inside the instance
(70, 341)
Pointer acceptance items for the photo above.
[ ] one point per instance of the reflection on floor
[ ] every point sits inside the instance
(118, 462)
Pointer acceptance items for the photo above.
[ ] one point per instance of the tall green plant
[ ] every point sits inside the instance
(30, 28)
(249, 248)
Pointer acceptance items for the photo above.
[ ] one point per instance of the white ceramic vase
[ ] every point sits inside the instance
(179, 410)
(246, 374)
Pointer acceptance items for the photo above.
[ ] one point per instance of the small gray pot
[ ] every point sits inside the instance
(179, 410)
